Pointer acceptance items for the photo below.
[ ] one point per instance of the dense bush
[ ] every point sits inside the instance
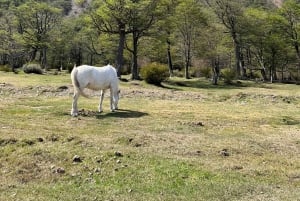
(154, 73)
(195, 72)
(5, 68)
(32, 68)
(228, 74)
(206, 72)
(254, 74)
(70, 67)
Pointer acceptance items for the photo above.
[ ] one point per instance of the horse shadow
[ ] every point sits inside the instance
(121, 113)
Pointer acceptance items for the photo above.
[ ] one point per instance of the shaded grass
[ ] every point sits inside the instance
(204, 83)
(171, 149)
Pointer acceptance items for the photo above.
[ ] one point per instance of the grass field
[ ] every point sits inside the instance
(188, 140)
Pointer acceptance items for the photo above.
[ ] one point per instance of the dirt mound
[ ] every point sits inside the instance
(166, 94)
(10, 90)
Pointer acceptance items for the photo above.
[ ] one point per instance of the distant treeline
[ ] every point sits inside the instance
(254, 39)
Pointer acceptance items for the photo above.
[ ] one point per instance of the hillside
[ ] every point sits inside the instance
(78, 8)
(278, 3)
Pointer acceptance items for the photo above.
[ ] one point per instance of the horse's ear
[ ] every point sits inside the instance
(75, 65)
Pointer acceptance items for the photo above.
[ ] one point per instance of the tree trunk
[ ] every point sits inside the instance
(273, 75)
(187, 57)
(78, 54)
(44, 58)
(242, 65)
(32, 55)
(296, 45)
(134, 70)
(170, 64)
(91, 59)
(216, 70)
(237, 51)
(119, 59)
(263, 73)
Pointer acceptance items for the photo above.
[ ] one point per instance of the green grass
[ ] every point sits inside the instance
(171, 140)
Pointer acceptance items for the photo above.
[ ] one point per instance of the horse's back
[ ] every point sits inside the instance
(97, 77)
(105, 70)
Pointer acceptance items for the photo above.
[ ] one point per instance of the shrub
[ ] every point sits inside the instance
(32, 68)
(228, 74)
(5, 68)
(155, 73)
(206, 72)
(254, 74)
(69, 67)
(178, 73)
(195, 72)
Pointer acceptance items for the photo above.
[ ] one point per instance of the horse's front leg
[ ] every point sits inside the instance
(74, 111)
(100, 109)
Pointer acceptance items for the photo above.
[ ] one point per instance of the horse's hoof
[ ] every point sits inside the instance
(74, 114)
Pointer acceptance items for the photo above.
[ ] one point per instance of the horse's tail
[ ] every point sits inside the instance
(75, 82)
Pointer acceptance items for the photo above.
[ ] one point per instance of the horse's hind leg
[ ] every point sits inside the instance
(112, 104)
(116, 98)
(74, 111)
(100, 109)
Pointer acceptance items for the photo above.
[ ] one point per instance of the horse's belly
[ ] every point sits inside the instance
(97, 86)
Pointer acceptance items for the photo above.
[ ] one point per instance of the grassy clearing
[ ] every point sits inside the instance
(187, 141)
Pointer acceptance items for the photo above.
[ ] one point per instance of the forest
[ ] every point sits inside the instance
(251, 39)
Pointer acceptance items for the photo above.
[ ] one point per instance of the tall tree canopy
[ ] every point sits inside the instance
(35, 23)
(189, 36)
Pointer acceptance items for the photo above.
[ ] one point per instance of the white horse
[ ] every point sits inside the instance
(95, 78)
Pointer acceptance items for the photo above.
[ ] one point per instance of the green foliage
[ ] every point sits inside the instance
(70, 67)
(41, 30)
(5, 68)
(189, 19)
(254, 74)
(80, 2)
(228, 74)
(154, 73)
(201, 72)
(32, 68)
(205, 72)
(195, 72)
(178, 73)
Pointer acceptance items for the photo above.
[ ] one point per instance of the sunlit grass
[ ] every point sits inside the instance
(214, 143)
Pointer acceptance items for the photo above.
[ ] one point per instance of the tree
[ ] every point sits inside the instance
(264, 41)
(11, 52)
(124, 17)
(112, 16)
(36, 20)
(230, 13)
(189, 19)
(291, 26)
(213, 48)
(168, 29)
(161, 38)
(143, 15)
